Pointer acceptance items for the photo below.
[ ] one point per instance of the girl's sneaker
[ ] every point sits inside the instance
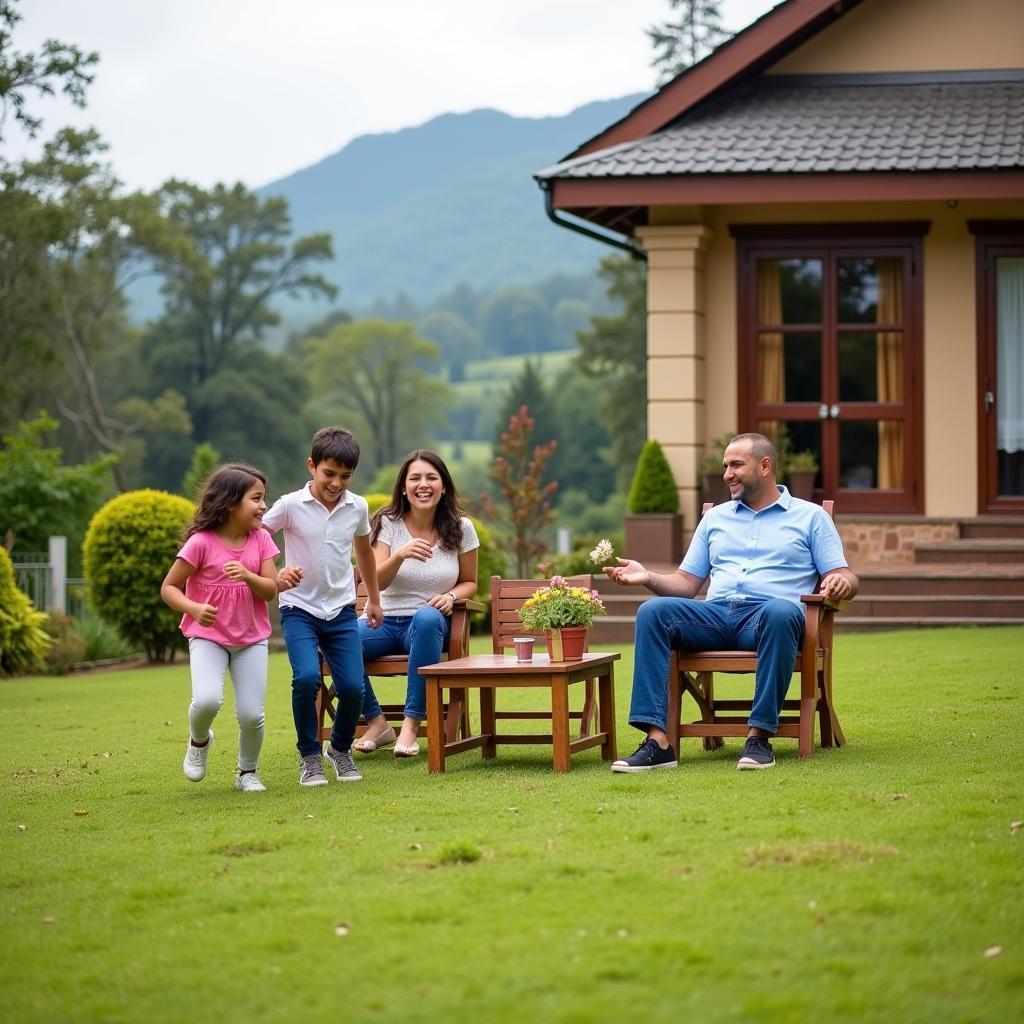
(249, 783)
(194, 765)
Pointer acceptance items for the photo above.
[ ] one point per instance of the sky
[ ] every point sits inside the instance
(252, 90)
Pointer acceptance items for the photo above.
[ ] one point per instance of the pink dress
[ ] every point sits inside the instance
(242, 617)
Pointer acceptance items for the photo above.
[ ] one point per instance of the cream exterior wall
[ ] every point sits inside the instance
(914, 35)
(693, 335)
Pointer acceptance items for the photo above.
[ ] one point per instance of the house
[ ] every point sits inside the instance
(831, 206)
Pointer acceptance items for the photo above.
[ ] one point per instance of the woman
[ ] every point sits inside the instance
(426, 552)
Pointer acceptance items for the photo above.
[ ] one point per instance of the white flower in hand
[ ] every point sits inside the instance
(602, 553)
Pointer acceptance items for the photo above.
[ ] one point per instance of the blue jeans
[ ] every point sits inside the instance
(772, 627)
(338, 638)
(422, 637)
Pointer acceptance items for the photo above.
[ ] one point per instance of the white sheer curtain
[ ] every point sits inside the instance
(1010, 353)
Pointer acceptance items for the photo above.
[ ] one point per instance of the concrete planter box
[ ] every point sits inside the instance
(655, 538)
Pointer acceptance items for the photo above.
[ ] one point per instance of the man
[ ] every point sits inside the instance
(762, 550)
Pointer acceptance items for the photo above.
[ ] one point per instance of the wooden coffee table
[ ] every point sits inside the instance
(488, 672)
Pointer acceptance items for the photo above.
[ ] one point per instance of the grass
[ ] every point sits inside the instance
(864, 885)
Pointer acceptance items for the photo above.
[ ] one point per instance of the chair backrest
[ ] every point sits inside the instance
(507, 597)
(828, 505)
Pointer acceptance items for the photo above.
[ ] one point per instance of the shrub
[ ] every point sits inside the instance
(653, 488)
(67, 648)
(102, 641)
(23, 640)
(129, 546)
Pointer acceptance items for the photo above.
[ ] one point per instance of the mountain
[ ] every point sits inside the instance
(449, 201)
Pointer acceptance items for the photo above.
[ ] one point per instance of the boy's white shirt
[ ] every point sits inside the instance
(320, 543)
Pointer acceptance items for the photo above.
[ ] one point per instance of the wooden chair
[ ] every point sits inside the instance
(507, 597)
(457, 709)
(692, 673)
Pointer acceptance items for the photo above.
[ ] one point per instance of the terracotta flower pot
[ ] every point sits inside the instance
(568, 643)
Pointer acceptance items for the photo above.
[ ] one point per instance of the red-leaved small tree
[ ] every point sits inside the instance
(518, 475)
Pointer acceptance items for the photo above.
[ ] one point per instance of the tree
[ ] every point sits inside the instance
(204, 461)
(515, 320)
(518, 475)
(39, 495)
(546, 424)
(456, 339)
(366, 374)
(614, 351)
(219, 290)
(681, 44)
(57, 64)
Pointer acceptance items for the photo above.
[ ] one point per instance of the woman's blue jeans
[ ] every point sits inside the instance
(422, 637)
(338, 638)
(772, 627)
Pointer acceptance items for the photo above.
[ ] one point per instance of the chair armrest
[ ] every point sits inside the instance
(833, 603)
(470, 604)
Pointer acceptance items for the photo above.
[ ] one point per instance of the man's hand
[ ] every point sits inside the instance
(628, 572)
(836, 587)
(288, 577)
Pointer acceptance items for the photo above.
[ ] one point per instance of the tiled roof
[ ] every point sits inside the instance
(785, 128)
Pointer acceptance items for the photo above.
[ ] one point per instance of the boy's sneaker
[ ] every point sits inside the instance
(344, 767)
(248, 782)
(648, 756)
(311, 771)
(194, 765)
(757, 753)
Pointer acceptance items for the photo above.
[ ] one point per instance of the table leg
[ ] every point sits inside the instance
(488, 723)
(435, 726)
(560, 723)
(606, 713)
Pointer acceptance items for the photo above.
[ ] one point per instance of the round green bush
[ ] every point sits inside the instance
(129, 546)
(653, 488)
(23, 640)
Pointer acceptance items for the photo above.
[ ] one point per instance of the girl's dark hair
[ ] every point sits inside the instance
(447, 515)
(224, 489)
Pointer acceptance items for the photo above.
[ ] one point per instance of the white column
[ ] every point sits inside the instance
(59, 574)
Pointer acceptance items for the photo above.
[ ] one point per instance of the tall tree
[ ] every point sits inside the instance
(515, 320)
(545, 423)
(219, 292)
(614, 351)
(56, 65)
(681, 43)
(368, 374)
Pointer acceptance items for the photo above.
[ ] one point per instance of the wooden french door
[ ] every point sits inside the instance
(1000, 289)
(830, 355)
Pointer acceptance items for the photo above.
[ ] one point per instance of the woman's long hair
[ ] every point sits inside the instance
(224, 489)
(447, 515)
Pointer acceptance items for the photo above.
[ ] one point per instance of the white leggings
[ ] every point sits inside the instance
(248, 666)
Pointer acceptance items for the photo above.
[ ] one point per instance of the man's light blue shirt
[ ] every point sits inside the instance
(779, 551)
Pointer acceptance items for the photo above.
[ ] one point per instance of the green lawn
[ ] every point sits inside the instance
(864, 885)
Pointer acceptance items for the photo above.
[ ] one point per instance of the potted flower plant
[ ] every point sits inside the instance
(564, 613)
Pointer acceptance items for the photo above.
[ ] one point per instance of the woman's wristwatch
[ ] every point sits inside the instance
(451, 594)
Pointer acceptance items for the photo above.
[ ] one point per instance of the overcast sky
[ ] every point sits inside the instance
(251, 90)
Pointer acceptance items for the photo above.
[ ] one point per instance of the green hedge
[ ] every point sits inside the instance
(129, 546)
(23, 638)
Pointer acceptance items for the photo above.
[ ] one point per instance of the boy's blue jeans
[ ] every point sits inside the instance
(772, 627)
(338, 638)
(422, 637)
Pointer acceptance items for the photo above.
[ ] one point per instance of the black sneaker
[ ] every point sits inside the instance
(757, 753)
(648, 755)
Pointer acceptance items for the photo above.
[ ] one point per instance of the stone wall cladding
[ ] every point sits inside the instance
(877, 540)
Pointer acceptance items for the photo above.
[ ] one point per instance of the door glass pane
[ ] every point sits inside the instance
(871, 454)
(871, 366)
(1010, 375)
(789, 291)
(870, 291)
(788, 367)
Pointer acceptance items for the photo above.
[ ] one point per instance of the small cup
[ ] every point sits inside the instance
(524, 648)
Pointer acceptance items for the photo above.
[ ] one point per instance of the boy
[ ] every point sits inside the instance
(322, 523)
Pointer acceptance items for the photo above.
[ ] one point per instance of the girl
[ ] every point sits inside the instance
(221, 581)
(426, 552)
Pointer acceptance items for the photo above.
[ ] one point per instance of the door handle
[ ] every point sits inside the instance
(823, 411)
(990, 400)
(833, 411)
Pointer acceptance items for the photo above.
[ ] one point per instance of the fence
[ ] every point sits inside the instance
(44, 576)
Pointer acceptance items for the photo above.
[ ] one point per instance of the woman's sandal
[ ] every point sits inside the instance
(413, 750)
(367, 746)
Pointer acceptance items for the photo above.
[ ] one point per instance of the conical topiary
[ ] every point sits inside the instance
(653, 488)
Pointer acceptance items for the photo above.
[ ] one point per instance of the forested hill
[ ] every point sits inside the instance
(450, 201)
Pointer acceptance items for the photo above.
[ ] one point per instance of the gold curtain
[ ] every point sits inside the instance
(771, 359)
(889, 370)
